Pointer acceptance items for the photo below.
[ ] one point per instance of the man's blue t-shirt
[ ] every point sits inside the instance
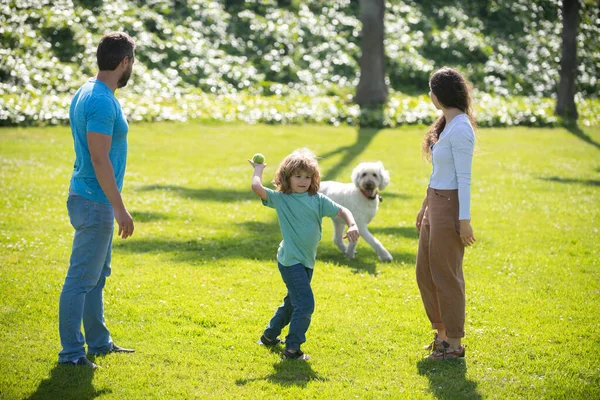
(95, 109)
(300, 216)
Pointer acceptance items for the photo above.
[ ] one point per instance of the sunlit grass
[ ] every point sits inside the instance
(196, 284)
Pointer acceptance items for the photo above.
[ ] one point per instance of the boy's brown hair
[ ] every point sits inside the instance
(299, 160)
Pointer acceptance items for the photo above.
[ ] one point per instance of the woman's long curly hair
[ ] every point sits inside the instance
(300, 160)
(451, 90)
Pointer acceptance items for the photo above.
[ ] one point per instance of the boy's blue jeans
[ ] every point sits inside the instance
(297, 308)
(81, 296)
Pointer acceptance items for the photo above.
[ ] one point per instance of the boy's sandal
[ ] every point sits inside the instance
(436, 344)
(297, 355)
(443, 353)
(269, 342)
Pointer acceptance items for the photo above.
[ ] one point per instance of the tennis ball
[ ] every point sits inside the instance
(258, 158)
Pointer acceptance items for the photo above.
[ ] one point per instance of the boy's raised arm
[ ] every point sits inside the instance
(257, 186)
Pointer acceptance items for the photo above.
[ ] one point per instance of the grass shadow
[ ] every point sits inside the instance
(577, 131)
(409, 232)
(405, 258)
(392, 195)
(363, 262)
(147, 216)
(68, 381)
(369, 117)
(289, 373)
(587, 182)
(357, 265)
(252, 240)
(213, 194)
(448, 380)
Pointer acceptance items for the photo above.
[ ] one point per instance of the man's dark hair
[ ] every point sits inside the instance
(113, 48)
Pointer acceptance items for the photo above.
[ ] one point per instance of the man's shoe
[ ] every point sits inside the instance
(117, 349)
(82, 361)
(113, 349)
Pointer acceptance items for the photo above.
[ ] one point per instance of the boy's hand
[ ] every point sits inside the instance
(352, 234)
(255, 165)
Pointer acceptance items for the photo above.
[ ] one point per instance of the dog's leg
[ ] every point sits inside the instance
(338, 234)
(382, 253)
(350, 250)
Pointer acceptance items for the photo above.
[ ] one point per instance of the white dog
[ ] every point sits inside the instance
(362, 198)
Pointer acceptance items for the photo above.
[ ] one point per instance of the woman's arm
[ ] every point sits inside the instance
(463, 143)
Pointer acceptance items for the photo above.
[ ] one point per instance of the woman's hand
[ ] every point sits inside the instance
(466, 232)
(420, 218)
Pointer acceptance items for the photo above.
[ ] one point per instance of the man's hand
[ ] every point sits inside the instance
(125, 222)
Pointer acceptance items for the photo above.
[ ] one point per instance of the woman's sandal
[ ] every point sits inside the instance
(436, 344)
(296, 355)
(442, 353)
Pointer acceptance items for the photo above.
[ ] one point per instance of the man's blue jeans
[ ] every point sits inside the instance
(81, 296)
(297, 308)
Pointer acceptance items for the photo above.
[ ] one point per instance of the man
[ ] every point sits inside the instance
(99, 131)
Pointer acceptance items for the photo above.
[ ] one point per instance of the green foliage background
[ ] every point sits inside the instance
(202, 59)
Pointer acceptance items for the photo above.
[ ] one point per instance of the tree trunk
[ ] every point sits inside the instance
(565, 102)
(372, 89)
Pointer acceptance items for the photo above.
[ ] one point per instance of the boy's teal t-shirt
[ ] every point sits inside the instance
(95, 109)
(300, 216)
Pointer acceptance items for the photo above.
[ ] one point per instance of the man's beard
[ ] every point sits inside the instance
(124, 78)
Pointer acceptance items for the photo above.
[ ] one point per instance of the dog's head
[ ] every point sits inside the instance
(370, 177)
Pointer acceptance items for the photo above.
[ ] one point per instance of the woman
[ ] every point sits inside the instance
(444, 221)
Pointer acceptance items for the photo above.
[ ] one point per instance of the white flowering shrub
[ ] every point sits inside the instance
(291, 61)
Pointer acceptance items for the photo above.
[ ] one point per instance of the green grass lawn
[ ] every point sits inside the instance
(194, 287)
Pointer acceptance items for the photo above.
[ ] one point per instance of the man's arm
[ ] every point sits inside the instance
(99, 146)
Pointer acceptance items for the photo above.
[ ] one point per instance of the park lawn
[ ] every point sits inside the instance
(193, 288)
